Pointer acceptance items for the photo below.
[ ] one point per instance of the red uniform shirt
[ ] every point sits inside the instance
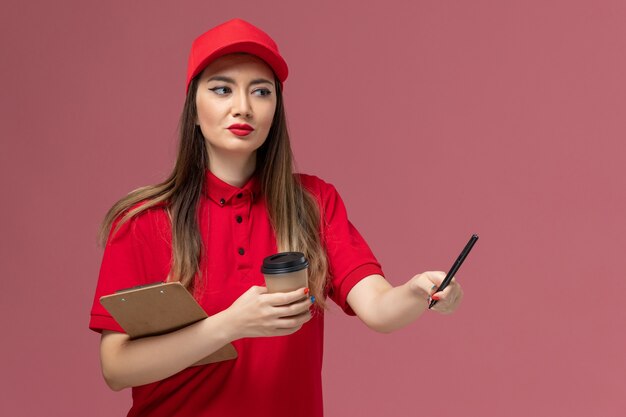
(272, 376)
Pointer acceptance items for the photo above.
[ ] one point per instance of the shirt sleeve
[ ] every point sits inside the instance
(138, 253)
(349, 257)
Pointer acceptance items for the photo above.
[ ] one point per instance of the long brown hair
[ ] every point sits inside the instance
(293, 211)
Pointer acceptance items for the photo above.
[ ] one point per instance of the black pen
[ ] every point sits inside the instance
(455, 267)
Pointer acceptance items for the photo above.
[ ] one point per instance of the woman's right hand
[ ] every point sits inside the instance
(257, 313)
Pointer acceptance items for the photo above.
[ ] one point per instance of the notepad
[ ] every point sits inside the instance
(159, 308)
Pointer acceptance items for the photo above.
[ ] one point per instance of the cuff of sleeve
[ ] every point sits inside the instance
(350, 281)
(99, 323)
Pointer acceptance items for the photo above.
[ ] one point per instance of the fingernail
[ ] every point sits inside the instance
(312, 298)
(306, 290)
(435, 297)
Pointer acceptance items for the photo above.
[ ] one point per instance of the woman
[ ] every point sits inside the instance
(231, 200)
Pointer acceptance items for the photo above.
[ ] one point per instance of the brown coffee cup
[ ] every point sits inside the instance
(285, 271)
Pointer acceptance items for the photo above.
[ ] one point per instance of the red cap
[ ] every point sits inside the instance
(230, 37)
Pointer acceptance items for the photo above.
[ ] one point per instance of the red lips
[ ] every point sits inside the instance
(240, 129)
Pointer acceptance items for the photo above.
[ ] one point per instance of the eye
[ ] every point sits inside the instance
(220, 90)
(262, 92)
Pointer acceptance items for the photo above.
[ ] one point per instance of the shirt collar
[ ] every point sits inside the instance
(222, 193)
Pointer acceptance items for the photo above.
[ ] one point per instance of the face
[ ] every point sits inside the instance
(235, 101)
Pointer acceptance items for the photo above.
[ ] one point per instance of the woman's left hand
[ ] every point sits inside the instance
(448, 299)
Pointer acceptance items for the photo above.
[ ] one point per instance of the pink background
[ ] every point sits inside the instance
(434, 119)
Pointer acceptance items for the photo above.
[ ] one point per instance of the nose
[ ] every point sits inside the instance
(241, 104)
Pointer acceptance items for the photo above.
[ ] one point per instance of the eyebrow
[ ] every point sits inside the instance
(231, 81)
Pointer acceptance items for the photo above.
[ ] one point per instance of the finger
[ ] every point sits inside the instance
(445, 293)
(295, 308)
(444, 301)
(293, 321)
(448, 301)
(436, 277)
(445, 307)
(285, 332)
(459, 296)
(452, 288)
(424, 284)
(283, 298)
(448, 294)
(441, 308)
(433, 290)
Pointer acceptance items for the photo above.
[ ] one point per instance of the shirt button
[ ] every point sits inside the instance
(222, 201)
(241, 251)
(239, 219)
(239, 195)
